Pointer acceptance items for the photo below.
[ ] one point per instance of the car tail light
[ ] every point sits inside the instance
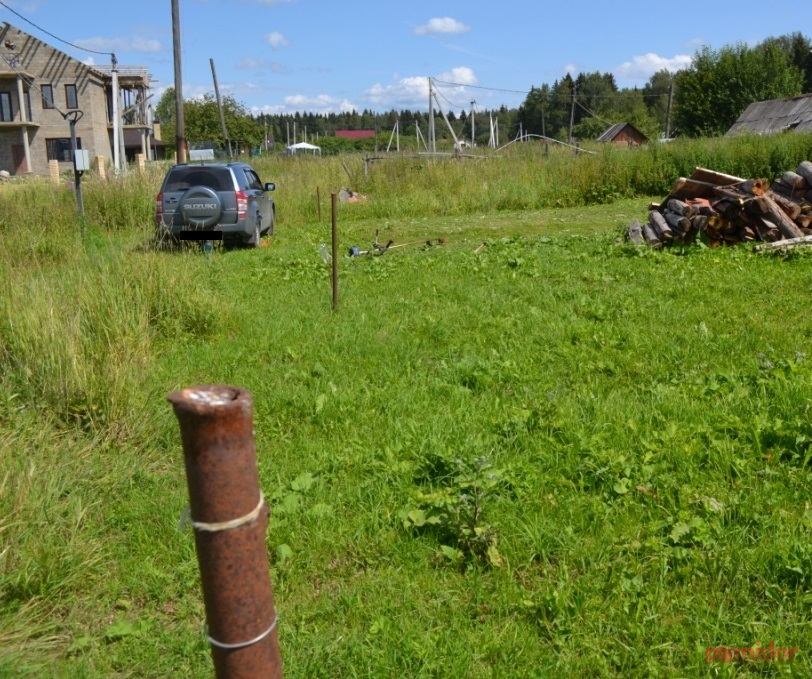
(159, 208)
(242, 204)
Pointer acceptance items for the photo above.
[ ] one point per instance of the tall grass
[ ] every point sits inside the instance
(521, 177)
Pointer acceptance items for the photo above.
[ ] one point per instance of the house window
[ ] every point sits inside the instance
(28, 115)
(59, 149)
(47, 96)
(6, 114)
(71, 100)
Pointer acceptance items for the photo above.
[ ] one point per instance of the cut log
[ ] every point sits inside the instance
(730, 193)
(729, 207)
(786, 243)
(805, 170)
(700, 222)
(635, 233)
(653, 206)
(805, 220)
(716, 178)
(766, 230)
(716, 222)
(790, 208)
(679, 224)
(784, 189)
(681, 208)
(777, 216)
(755, 187)
(651, 237)
(794, 180)
(660, 226)
(686, 188)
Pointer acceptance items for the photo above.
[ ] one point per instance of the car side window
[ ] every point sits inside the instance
(253, 180)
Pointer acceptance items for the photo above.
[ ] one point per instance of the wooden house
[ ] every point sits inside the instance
(623, 134)
(775, 115)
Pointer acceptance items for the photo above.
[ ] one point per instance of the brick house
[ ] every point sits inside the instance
(50, 84)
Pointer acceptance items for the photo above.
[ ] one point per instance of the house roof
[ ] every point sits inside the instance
(616, 129)
(776, 115)
(127, 74)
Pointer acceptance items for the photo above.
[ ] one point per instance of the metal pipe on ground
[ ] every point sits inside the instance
(230, 519)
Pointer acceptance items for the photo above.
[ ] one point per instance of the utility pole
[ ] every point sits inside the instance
(220, 109)
(432, 137)
(116, 121)
(572, 110)
(668, 111)
(473, 138)
(180, 124)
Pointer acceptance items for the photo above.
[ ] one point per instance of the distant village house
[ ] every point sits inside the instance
(793, 114)
(623, 134)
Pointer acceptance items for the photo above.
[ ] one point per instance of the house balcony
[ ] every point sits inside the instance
(18, 125)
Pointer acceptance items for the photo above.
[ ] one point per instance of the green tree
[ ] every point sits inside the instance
(714, 91)
(165, 115)
(799, 50)
(655, 93)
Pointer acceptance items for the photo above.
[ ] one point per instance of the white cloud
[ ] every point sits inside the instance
(413, 92)
(148, 45)
(442, 25)
(262, 65)
(322, 103)
(641, 68)
(276, 40)
(462, 75)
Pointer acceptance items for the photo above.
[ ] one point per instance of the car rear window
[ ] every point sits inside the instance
(216, 178)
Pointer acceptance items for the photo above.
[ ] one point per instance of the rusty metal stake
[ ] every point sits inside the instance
(230, 519)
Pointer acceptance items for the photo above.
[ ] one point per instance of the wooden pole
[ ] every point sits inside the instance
(180, 125)
(226, 140)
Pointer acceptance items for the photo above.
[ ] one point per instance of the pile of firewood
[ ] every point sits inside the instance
(725, 210)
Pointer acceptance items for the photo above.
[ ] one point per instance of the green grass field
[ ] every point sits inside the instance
(559, 456)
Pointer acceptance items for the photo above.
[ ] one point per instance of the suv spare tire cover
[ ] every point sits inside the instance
(200, 206)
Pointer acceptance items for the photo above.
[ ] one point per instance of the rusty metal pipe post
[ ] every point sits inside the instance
(230, 519)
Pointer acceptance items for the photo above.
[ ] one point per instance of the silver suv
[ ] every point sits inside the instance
(218, 201)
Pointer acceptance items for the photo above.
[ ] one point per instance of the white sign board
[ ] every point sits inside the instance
(82, 159)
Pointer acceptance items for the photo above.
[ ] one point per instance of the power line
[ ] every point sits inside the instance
(55, 37)
(479, 87)
(450, 103)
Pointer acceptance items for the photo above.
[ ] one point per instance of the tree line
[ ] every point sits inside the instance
(704, 99)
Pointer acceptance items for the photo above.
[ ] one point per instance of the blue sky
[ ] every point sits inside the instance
(282, 56)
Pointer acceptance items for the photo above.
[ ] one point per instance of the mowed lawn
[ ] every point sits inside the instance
(552, 456)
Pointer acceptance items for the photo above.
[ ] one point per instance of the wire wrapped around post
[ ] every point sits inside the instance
(230, 519)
